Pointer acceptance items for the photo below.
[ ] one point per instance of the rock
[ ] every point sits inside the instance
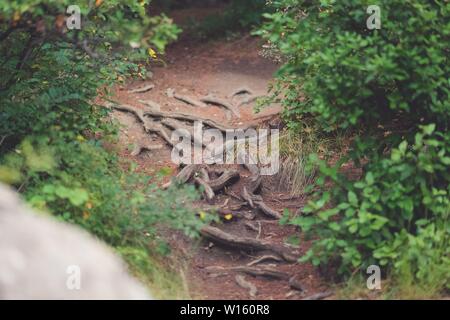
(41, 258)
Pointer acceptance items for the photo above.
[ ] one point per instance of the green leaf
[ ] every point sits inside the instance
(352, 198)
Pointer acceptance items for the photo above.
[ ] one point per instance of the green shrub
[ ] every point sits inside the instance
(52, 134)
(237, 16)
(350, 76)
(390, 87)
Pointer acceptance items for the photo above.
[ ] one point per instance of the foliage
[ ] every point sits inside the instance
(390, 87)
(162, 277)
(237, 16)
(53, 134)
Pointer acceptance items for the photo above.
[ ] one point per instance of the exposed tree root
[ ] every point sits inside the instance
(216, 235)
(142, 89)
(185, 116)
(191, 101)
(267, 272)
(184, 175)
(262, 272)
(254, 271)
(319, 296)
(140, 147)
(219, 102)
(243, 283)
(148, 124)
(294, 284)
(156, 127)
(252, 227)
(207, 190)
(263, 259)
(224, 213)
(227, 177)
(250, 164)
(249, 100)
(178, 125)
(267, 210)
(240, 91)
(248, 197)
(127, 108)
(203, 173)
(154, 106)
(255, 201)
(188, 100)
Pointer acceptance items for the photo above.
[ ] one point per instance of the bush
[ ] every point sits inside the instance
(51, 131)
(237, 16)
(389, 87)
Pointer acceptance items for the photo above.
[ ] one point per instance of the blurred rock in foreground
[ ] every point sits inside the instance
(41, 258)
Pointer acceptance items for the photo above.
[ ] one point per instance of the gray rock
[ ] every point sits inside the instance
(41, 258)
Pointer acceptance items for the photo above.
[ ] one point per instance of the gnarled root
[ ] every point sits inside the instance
(243, 283)
(227, 177)
(142, 89)
(216, 235)
(141, 147)
(184, 175)
(184, 116)
(219, 102)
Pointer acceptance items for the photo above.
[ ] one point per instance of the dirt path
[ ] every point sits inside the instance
(215, 271)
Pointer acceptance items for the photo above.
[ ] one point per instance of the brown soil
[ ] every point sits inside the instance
(196, 70)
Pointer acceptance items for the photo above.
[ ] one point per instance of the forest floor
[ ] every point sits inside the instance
(214, 269)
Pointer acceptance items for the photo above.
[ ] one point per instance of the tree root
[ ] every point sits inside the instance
(249, 100)
(185, 116)
(263, 272)
(253, 271)
(243, 283)
(294, 284)
(131, 109)
(140, 147)
(219, 102)
(152, 105)
(240, 91)
(225, 212)
(270, 273)
(156, 127)
(225, 179)
(255, 201)
(264, 208)
(142, 89)
(178, 125)
(264, 258)
(319, 296)
(216, 235)
(183, 176)
(148, 124)
(207, 190)
(190, 101)
(250, 164)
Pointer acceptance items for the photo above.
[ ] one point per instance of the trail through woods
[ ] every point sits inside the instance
(245, 256)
